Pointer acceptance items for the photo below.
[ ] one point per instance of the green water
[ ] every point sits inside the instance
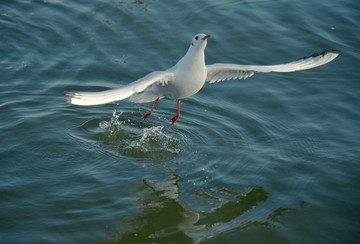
(274, 158)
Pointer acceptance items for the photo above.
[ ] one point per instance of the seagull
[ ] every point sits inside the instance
(188, 76)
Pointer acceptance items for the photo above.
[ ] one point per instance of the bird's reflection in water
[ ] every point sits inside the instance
(165, 219)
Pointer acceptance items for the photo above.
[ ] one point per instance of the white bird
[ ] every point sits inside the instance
(188, 76)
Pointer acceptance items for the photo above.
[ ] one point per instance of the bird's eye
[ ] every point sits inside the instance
(196, 37)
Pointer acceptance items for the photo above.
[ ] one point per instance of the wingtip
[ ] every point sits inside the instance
(68, 100)
(334, 53)
(69, 95)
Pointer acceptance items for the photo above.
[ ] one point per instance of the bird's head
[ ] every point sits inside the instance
(199, 41)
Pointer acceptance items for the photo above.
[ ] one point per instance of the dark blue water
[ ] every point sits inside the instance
(271, 159)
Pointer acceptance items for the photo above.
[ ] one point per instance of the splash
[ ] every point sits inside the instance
(129, 138)
(113, 124)
(154, 139)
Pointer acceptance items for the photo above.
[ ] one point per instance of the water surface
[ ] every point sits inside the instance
(271, 159)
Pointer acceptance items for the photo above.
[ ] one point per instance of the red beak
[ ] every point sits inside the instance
(206, 37)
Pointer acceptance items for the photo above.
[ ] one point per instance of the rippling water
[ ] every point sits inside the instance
(271, 159)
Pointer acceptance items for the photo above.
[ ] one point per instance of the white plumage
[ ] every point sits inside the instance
(188, 76)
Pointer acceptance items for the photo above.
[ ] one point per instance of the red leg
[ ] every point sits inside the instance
(152, 109)
(177, 114)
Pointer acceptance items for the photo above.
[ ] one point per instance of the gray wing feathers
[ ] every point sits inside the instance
(221, 72)
(228, 74)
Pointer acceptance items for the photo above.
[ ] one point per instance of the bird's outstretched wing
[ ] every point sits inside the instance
(221, 72)
(103, 97)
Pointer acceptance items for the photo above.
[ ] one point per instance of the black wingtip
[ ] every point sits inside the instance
(321, 54)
